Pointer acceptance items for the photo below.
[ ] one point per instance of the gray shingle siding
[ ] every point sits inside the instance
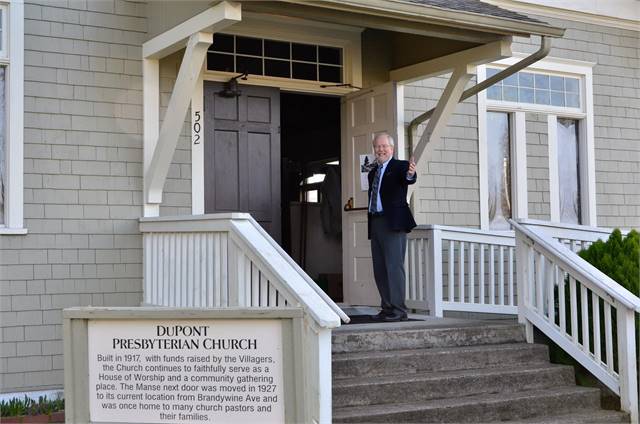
(83, 181)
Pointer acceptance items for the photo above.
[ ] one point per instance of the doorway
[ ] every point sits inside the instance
(276, 155)
(311, 195)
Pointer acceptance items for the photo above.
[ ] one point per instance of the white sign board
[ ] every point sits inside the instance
(367, 163)
(186, 371)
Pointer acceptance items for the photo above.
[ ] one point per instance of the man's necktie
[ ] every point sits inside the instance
(373, 207)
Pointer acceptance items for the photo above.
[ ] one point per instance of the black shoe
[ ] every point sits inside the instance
(395, 317)
(380, 316)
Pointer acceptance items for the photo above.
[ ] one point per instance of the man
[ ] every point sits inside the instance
(389, 220)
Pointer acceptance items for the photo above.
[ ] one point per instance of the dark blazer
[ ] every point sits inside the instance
(393, 196)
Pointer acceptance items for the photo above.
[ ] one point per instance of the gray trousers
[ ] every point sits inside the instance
(388, 249)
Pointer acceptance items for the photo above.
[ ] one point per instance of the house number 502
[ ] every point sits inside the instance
(197, 127)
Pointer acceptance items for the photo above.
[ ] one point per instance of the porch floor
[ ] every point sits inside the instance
(421, 320)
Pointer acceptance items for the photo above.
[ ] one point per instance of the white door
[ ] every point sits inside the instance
(364, 113)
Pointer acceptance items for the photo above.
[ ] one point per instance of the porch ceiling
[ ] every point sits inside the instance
(415, 30)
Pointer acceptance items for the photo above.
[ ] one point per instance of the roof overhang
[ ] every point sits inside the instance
(427, 14)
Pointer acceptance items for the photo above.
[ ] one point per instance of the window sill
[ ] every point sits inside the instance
(13, 231)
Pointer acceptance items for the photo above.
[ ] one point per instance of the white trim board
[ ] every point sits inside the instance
(14, 137)
(569, 14)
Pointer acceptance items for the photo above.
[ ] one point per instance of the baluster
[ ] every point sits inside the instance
(420, 278)
(595, 313)
(573, 304)
(273, 293)
(190, 268)
(584, 306)
(501, 277)
(184, 274)
(472, 282)
(562, 311)
(255, 285)
(492, 276)
(173, 277)
(608, 336)
(531, 286)
(540, 263)
(154, 269)
(166, 257)
(575, 246)
(264, 290)
(213, 259)
(550, 285)
(451, 269)
(224, 270)
(481, 277)
(511, 294)
(199, 269)
(412, 269)
(461, 273)
(248, 282)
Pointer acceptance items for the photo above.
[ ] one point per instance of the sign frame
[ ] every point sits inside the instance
(76, 349)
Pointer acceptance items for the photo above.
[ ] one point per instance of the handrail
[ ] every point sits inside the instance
(579, 266)
(466, 230)
(325, 312)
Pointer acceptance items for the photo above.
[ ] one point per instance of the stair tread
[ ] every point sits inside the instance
(577, 417)
(409, 326)
(488, 399)
(523, 369)
(436, 350)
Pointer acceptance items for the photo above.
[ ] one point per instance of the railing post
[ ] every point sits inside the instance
(522, 280)
(434, 280)
(627, 366)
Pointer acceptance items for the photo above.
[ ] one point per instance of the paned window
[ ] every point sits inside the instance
(499, 169)
(275, 58)
(568, 171)
(536, 88)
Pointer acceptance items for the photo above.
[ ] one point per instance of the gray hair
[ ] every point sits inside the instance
(383, 134)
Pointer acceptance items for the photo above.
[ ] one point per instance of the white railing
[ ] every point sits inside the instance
(574, 237)
(460, 269)
(578, 307)
(229, 261)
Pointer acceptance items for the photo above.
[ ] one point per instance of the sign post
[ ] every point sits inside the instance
(161, 365)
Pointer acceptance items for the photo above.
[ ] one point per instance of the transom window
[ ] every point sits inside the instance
(275, 58)
(536, 88)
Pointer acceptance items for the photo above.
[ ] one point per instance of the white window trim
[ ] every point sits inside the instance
(582, 70)
(289, 29)
(14, 86)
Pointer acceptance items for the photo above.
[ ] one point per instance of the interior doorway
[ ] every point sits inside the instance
(311, 195)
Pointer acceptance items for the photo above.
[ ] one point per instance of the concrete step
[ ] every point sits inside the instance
(448, 384)
(591, 417)
(482, 408)
(415, 335)
(393, 362)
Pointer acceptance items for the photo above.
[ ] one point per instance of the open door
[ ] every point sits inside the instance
(242, 153)
(364, 113)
